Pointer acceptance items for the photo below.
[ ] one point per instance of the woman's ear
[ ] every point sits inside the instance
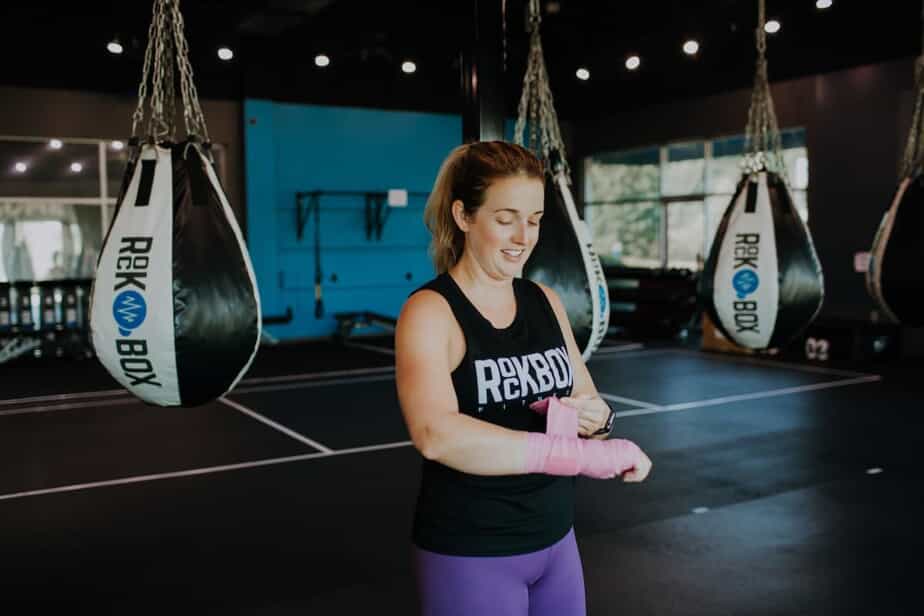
(459, 215)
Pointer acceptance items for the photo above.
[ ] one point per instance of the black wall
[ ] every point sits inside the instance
(856, 123)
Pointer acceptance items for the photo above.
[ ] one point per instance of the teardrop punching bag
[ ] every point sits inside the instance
(894, 278)
(564, 259)
(762, 283)
(175, 314)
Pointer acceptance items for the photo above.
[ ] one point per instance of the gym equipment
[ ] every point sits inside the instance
(651, 303)
(349, 322)
(564, 257)
(894, 278)
(762, 283)
(308, 206)
(175, 313)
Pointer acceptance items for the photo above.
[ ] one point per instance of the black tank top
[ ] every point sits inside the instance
(503, 371)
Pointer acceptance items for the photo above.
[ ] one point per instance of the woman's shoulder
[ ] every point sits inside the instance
(427, 303)
(425, 324)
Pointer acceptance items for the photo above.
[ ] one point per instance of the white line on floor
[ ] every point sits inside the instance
(367, 379)
(106, 393)
(639, 403)
(621, 348)
(110, 393)
(230, 467)
(645, 352)
(272, 424)
(199, 471)
(316, 375)
(67, 407)
(683, 406)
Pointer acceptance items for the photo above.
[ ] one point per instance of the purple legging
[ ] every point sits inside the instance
(541, 583)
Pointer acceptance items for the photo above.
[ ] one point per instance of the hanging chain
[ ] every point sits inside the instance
(167, 51)
(763, 145)
(914, 156)
(537, 108)
(193, 117)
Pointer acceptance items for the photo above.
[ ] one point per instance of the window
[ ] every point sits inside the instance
(660, 206)
(57, 198)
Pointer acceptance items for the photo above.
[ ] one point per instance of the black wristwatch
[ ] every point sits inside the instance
(608, 426)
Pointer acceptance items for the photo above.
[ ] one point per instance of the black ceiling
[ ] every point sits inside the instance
(62, 45)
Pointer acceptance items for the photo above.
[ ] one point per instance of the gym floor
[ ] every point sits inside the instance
(777, 489)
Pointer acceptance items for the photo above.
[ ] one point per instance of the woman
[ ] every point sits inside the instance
(475, 347)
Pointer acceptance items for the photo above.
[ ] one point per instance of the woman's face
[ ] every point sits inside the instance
(502, 234)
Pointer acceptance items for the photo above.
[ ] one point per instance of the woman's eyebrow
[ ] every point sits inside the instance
(510, 209)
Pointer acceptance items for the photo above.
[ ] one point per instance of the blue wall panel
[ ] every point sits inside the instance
(291, 148)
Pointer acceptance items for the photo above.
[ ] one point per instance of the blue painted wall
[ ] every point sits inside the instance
(291, 148)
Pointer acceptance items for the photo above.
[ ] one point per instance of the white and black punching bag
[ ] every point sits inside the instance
(894, 277)
(175, 313)
(564, 259)
(762, 283)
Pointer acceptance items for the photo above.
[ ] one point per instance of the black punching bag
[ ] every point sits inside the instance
(894, 277)
(762, 283)
(564, 260)
(175, 312)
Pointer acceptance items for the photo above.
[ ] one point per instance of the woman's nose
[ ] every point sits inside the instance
(519, 234)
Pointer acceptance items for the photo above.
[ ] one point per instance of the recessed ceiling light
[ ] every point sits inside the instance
(772, 26)
(583, 74)
(114, 47)
(823, 4)
(633, 62)
(20, 167)
(55, 144)
(225, 53)
(691, 47)
(76, 167)
(408, 67)
(321, 60)
(117, 145)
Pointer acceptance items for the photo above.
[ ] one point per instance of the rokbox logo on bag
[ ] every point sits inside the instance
(746, 281)
(129, 309)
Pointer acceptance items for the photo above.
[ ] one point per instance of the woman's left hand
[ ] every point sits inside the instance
(592, 412)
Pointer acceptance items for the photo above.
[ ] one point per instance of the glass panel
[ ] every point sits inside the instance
(685, 224)
(622, 176)
(715, 209)
(628, 234)
(792, 138)
(683, 172)
(36, 169)
(116, 162)
(48, 240)
(796, 161)
(4, 277)
(723, 174)
(728, 146)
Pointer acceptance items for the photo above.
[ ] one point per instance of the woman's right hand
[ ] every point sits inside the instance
(606, 459)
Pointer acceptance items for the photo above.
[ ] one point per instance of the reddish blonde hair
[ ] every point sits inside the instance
(465, 175)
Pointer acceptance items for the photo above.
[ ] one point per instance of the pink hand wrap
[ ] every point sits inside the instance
(561, 420)
(560, 452)
(570, 455)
